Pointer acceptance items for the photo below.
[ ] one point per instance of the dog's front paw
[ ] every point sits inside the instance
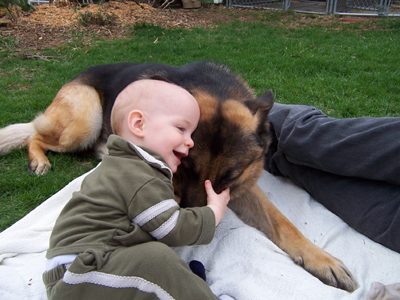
(39, 166)
(328, 269)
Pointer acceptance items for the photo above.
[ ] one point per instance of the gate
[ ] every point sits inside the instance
(269, 4)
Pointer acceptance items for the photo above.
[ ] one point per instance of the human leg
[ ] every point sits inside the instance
(146, 271)
(344, 164)
(358, 147)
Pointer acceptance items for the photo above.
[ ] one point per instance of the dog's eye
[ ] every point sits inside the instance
(230, 176)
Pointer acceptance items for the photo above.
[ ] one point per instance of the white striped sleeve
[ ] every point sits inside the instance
(153, 212)
(166, 227)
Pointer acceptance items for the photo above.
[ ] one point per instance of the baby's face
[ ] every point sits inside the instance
(169, 129)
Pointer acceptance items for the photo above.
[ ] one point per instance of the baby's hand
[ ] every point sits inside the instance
(218, 203)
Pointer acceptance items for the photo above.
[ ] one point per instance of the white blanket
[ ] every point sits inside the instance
(240, 261)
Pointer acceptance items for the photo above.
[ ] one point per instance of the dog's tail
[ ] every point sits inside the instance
(15, 136)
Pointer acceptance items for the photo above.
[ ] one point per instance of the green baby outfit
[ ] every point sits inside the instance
(119, 229)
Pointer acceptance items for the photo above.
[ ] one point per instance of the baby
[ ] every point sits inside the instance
(112, 239)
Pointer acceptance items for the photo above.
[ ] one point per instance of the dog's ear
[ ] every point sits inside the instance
(260, 108)
(159, 77)
(262, 104)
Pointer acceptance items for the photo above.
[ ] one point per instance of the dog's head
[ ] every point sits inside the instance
(229, 147)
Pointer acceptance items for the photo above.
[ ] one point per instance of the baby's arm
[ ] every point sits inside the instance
(168, 223)
(217, 202)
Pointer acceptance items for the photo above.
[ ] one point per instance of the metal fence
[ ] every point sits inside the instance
(376, 7)
(334, 7)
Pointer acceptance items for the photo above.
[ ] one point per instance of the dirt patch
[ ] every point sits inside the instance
(51, 25)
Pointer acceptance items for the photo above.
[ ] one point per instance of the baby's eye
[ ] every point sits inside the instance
(181, 129)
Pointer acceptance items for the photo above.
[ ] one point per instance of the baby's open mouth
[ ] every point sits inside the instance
(179, 155)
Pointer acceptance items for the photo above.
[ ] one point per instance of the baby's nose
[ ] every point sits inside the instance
(189, 143)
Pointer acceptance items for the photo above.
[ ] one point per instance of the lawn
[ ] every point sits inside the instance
(341, 69)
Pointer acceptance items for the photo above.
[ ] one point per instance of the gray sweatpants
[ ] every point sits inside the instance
(146, 271)
(351, 166)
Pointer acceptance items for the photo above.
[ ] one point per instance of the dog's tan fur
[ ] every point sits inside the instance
(72, 122)
(77, 119)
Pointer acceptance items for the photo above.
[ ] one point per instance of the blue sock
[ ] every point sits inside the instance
(198, 269)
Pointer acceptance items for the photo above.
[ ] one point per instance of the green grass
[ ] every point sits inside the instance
(344, 71)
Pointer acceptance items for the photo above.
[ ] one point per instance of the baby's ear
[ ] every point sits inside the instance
(136, 123)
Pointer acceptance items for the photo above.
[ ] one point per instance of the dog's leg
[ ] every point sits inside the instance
(72, 122)
(37, 149)
(263, 215)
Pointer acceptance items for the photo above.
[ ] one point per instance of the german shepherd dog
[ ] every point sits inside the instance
(231, 141)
